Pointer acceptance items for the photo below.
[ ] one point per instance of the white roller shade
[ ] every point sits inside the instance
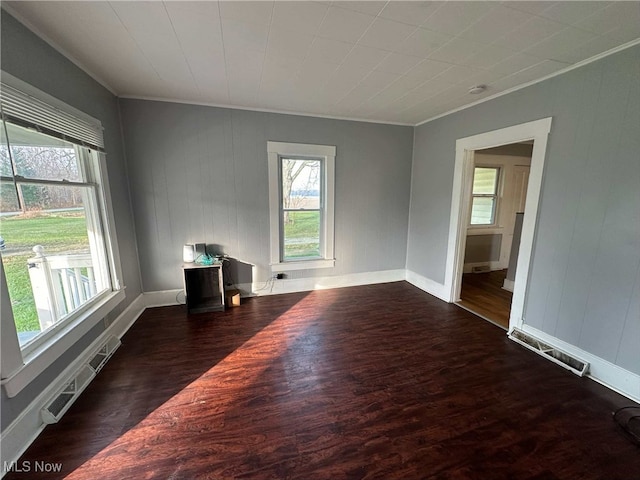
(28, 111)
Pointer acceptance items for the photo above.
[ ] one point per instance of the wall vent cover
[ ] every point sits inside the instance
(57, 407)
(58, 404)
(481, 269)
(63, 400)
(564, 359)
(103, 355)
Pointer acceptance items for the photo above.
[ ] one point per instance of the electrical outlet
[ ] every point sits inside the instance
(279, 276)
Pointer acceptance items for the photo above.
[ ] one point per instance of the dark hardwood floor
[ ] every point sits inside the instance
(380, 381)
(483, 294)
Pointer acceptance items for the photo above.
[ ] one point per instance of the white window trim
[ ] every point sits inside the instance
(275, 151)
(20, 368)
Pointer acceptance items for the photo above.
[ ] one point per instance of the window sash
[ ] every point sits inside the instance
(493, 196)
(283, 210)
(98, 241)
(492, 219)
(283, 242)
(496, 179)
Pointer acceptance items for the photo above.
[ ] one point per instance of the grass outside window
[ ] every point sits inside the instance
(59, 232)
(302, 235)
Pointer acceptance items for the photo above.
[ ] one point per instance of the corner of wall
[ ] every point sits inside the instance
(131, 212)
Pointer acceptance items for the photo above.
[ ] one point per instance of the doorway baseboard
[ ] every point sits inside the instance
(464, 307)
(508, 285)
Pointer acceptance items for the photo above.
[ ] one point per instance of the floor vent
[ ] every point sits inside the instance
(63, 400)
(57, 407)
(481, 269)
(103, 355)
(577, 366)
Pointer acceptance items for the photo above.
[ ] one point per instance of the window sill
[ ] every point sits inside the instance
(480, 228)
(37, 361)
(302, 265)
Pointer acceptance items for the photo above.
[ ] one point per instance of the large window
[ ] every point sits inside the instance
(301, 192)
(484, 196)
(54, 253)
(60, 266)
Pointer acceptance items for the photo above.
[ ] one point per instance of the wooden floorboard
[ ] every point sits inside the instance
(380, 381)
(483, 294)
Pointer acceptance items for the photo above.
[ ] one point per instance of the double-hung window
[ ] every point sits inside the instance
(59, 262)
(484, 201)
(301, 186)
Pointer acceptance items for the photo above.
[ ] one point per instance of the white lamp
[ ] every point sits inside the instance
(189, 253)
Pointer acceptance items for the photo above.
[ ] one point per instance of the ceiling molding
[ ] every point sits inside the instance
(580, 64)
(410, 121)
(264, 110)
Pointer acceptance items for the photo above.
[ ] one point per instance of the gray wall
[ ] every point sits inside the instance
(27, 57)
(199, 174)
(482, 248)
(585, 275)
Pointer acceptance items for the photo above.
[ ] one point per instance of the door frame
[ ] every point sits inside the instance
(538, 131)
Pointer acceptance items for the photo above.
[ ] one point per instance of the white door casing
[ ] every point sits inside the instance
(537, 131)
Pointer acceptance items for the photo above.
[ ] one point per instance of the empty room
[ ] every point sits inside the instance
(320, 240)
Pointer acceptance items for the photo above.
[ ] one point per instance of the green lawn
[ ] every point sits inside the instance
(302, 232)
(57, 233)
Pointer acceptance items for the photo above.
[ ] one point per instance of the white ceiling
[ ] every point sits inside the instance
(397, 61)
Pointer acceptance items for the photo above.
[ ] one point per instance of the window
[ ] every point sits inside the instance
(301, 186)
(302, 195)
(61, 268)
(484, 196)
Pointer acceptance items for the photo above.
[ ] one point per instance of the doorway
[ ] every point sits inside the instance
(497, 202)
(536, 132)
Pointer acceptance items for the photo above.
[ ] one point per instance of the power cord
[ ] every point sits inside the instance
(181, 292)
(268, 284)
(226, 271)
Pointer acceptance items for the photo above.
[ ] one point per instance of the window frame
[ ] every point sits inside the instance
(90, 180)
(20, 366)
(283, 210)
(276, 151)
(495, 196)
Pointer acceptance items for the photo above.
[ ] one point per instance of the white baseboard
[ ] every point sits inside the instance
(287, 285)
(163, 298)
(127, 318)
(17, 437)
(611, 376)
(292, 285)
(508, 285)
(423, 283)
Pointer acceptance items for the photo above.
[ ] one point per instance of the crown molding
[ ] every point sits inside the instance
(264, 110)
